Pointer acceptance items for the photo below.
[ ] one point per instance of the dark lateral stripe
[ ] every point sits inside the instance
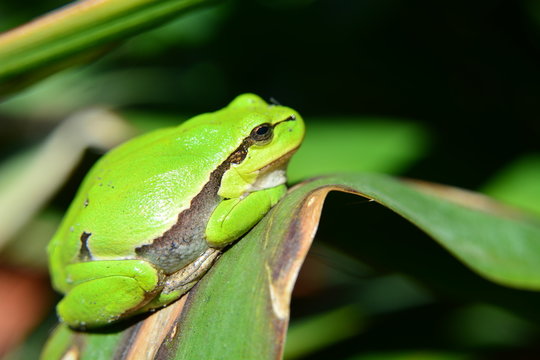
(176, 247)
(188, 233)
(84, 252)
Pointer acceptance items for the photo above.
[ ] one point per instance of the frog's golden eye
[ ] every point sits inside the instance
(262, 134)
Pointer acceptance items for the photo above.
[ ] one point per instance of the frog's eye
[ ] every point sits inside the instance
(262, 134)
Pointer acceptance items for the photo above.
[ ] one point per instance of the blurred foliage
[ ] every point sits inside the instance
(75, 34)
(442, 91)
(518, 183)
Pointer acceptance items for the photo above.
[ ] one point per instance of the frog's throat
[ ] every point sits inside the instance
(272, 174)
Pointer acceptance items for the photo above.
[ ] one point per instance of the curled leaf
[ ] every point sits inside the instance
(240, 309)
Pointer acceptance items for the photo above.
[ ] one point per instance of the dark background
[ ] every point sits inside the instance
(466, 71)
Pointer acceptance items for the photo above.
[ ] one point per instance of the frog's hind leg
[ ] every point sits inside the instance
(103, 291)
(180, 282)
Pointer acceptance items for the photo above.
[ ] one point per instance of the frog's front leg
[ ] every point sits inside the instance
(102, 291)
(234, 217)
(230, 220)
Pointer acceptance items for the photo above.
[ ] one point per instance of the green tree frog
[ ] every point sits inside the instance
(153, 214)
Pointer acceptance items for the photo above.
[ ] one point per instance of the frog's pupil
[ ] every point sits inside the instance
(262, 130)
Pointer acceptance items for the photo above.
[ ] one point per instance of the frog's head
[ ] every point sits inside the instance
(270, 134)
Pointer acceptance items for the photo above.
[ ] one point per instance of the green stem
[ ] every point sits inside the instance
(69, 32)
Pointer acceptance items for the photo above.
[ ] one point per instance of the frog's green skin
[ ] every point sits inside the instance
(152, 215)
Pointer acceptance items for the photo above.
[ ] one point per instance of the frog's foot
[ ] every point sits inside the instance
(105, 291)
(180, 282)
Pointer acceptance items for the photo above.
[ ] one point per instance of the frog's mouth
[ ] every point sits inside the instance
(274, 173)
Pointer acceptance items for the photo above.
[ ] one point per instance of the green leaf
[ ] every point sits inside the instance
(518, 184)
(240, 309)
(75, 33)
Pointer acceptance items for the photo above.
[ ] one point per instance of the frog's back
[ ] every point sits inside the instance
(136, 191)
